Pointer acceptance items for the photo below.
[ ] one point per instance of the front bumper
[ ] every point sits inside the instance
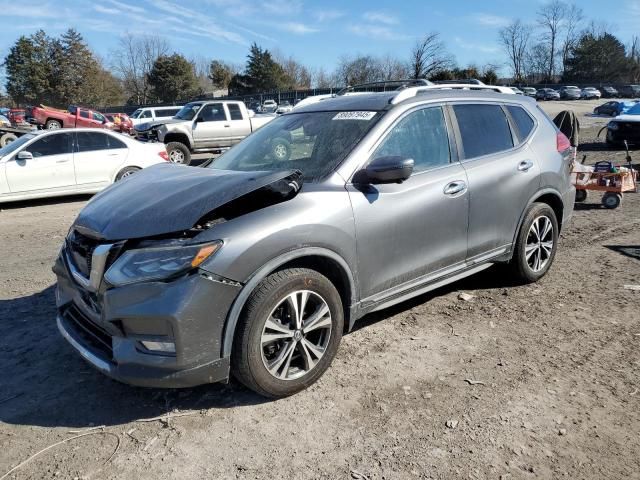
(629, 131)
(106, 327)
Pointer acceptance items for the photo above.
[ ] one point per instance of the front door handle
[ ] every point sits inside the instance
(227, 126)
(525, 165)
(62, 160)
(455, 187)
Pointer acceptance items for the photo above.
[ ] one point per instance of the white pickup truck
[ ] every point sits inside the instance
(206, 126)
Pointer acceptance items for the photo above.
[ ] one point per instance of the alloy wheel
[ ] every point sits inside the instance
(176, 156)
(539, 246)
(280, 152)
(296, 335)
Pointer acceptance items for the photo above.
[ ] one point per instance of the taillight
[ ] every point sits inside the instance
(164, 155)
(562, 142)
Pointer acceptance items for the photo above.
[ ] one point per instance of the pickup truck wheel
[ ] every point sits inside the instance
(281, 149)
(126, 172)
(178, 153)
(289, 332)
(536, 244)
(52, 125)
(6, 139)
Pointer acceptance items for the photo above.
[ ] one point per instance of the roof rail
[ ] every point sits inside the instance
(471, 81)
(413, 91)
(397, 84)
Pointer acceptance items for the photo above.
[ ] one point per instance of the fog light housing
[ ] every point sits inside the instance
(167, 348)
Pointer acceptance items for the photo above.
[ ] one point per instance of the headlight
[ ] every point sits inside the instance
(148, 264)
(613, 126)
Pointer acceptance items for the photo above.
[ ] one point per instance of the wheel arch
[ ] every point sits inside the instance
(552, 198)
(324, 261)
(177, 137)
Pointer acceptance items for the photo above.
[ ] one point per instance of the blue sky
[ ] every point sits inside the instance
(316, 33)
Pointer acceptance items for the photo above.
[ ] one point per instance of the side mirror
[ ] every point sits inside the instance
(388, 169)
(25, 155)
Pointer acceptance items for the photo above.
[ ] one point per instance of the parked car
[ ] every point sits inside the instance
(570, 93)
(625, 127)
(4, 121)
(120, 123)
(547, 94)
(154, 114)
(517, 91)
(50, 163)
(269, 106)
(284, 107)
(613, 108)
(629, 91)
(74, 117)
(609, 92)
(589, 93)
(17, 116)
(204, 127)
(529, 91)
(255, 107)
(257, 265)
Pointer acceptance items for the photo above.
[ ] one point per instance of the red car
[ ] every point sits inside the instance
(53, 118)
(17, 116)
(121, 122)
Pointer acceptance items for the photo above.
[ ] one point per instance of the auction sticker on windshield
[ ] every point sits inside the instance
(354, 116)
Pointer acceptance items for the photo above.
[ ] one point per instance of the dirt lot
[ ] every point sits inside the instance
(557, 366)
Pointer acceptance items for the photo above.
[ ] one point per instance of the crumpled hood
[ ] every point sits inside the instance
(142, 127)
(167, 198)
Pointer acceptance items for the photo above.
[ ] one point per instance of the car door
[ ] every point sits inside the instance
(50, 168)
(97, 158)
(97, 120)
(501, 169)
(239, 127)
(418, 227)
(210, 128)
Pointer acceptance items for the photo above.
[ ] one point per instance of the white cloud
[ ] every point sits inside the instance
(380, 17)
(298, 28)
(376, 31)
(14, 9)
(126, 7)
(484, 48)
(327, 15)
(107, 10)
(283, 7)
(488, 20)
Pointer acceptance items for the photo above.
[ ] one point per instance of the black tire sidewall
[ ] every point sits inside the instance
(183, 148)
(581, 195)
(247, 348)
(519, 261)
(125, 170)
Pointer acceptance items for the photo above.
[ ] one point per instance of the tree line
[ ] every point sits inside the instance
(563, 46)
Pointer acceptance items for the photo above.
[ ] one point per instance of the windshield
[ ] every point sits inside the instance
(16, 144)
(188, 111)
(137, 113)
(314, 143)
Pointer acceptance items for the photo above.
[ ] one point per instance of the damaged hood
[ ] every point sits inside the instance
(142, 127)
(169, 198)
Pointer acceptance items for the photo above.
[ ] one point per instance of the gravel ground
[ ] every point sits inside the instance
(537, 381)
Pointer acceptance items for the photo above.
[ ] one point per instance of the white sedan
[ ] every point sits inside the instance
(51, 163)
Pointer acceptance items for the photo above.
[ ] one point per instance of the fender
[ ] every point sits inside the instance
(263, 272)
(533, 198)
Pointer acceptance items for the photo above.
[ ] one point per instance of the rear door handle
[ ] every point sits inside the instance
(227, 126)
(62, 160)
(455, 187)
(525, 165)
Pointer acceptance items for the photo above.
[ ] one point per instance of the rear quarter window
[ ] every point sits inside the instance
(484, 129)
(523, 122)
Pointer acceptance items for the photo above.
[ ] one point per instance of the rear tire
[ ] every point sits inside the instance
(6, 139)
(272, 353)
(52, 125)
(126, 172)
(281, 149)
(178, 153)
(611, 200)
(581, 196)
(536, 244)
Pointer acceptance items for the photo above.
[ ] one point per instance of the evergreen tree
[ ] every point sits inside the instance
(600, 58)
(266, 73)
(173, 78)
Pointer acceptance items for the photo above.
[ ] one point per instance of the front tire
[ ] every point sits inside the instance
(53, 125)
(611, 200)
(126, 172)
(536, 244)
(288, 334)
(581, 196)
(178, 153)
(6, 139)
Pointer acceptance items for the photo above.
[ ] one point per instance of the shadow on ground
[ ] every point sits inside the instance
(45, 383)
(632, 251)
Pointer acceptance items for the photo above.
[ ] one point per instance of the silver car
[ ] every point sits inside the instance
(258, 264)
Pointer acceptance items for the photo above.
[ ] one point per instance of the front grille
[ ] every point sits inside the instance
(81, 250)
(94, 336)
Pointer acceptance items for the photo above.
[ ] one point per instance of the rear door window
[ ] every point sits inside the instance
(94, 141)
(422, 136)
(523, 121)
(484, 129)
(234, 111)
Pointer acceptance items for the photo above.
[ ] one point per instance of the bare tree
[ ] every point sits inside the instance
(429, 57)
(359, 69)
(393, 69)
(551, 17)
(536, 62)
(634, 56)
(515, 40)
(133, 61)
(573, 19)
(322, 79)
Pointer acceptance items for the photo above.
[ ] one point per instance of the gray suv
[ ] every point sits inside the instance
(256, 266)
